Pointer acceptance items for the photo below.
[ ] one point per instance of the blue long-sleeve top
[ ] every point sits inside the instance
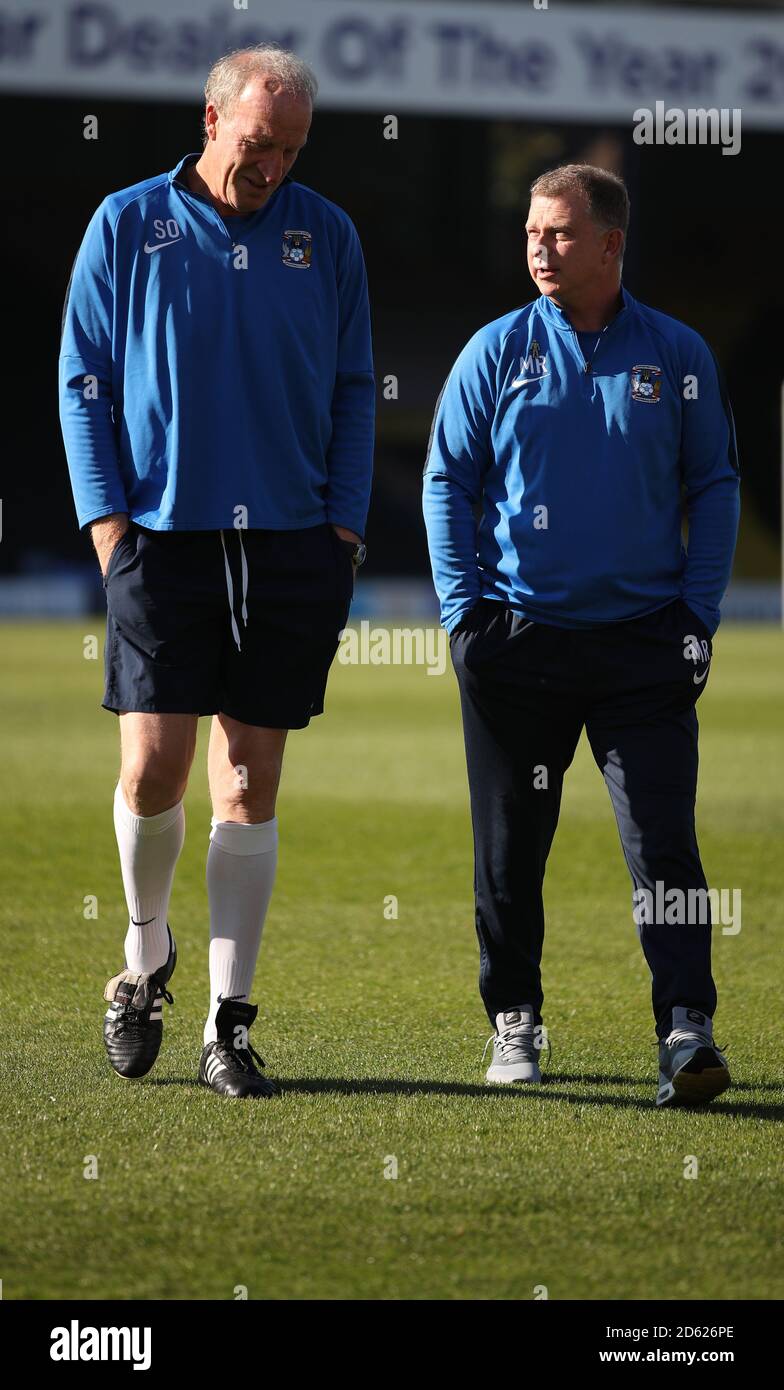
(211, 364)
(578, 470)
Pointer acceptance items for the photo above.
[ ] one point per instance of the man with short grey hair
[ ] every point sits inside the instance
(217, 407)
(574, 424)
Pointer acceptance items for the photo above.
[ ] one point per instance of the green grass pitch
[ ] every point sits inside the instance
(374, 1025)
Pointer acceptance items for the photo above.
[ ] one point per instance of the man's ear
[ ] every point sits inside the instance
(613, 246)
(210, 119)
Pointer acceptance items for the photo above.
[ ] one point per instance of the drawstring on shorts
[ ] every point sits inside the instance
(230, 587)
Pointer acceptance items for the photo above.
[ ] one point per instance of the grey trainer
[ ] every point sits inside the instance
(692, 1069)
(515, 1049)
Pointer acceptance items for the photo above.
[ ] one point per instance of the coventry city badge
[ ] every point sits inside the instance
(646, 384)
(297, 249)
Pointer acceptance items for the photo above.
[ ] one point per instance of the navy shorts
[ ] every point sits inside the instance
(245, 623)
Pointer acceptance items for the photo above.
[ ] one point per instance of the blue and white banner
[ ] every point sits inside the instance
(527, 59)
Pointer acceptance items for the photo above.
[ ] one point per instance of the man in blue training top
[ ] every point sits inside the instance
(217, 407)
(575, 425)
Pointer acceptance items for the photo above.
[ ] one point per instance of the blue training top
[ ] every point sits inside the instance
(207, 366)
(578, 468)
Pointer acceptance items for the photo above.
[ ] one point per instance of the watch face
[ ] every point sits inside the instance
(359, 554)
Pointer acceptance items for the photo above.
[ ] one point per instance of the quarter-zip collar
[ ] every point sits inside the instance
(174, 175)
(559, 319)
(186, 159)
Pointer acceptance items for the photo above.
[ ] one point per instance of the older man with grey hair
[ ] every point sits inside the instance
(217, 408)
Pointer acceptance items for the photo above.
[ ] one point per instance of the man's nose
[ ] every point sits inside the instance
(542, 252)
(271, 166)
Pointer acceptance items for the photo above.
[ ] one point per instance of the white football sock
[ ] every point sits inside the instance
(241, 863)
(149, 849)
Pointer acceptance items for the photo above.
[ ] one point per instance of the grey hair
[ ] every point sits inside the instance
(229, 76)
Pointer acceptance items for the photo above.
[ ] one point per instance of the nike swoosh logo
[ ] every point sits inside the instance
(528, 380)
(142, 924)
(699, 679)
(223, 997)
(149, 249)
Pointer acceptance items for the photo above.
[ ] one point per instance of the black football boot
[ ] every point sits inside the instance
(227, 1065)
(133, 1023)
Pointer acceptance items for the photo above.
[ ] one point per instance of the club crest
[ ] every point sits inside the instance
(297, 250)
(646, 384)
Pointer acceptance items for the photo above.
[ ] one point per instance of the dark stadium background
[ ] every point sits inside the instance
(440, 214)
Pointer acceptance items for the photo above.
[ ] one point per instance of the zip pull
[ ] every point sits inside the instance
(588, 365)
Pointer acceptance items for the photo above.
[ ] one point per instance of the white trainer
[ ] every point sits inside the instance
(516, 1047)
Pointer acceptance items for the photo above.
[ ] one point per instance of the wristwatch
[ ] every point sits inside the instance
(358, 552)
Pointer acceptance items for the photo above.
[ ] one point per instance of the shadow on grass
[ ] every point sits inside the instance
(387, 1085)
(187, 1081)
(317, 1085)
(593, 1079)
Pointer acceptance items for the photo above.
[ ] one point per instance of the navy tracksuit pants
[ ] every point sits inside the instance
(527, 690)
